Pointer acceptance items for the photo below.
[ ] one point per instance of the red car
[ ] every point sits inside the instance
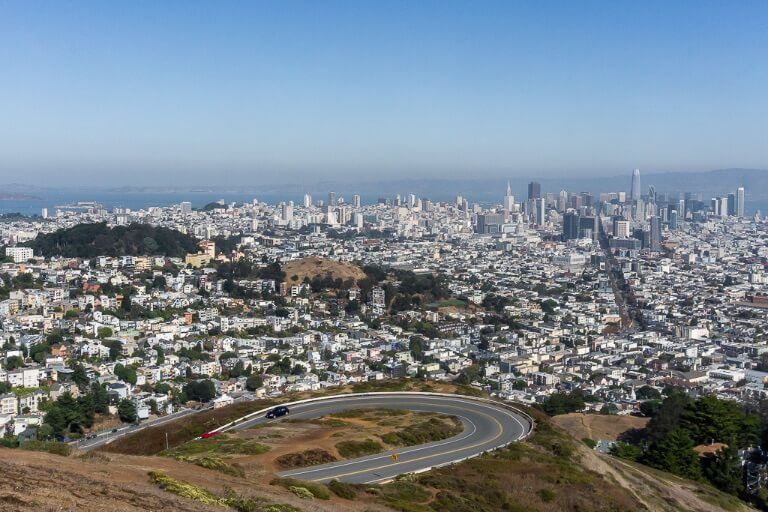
(210, 434)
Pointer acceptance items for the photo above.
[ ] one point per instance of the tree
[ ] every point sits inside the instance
(564, 403)
(100, 398)
(125, 373)
(647, 393)
(650, 407)
(45, 432)
(724, 470)
(710, 419)
(115, 348)
(201, 390)
(127, 411)
(667, 417)
(79, 377)
(674, 453)
(254, 382)
(160, 354)
(626, 451)
(104, 332)
(13, 362)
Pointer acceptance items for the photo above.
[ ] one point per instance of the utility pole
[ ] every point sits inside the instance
(166, 440)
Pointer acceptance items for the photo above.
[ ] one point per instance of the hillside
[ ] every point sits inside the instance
(597, 426)
(548, 472)
(309, 268)
(91, 240)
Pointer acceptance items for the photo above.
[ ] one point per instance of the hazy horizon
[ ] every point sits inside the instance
(285, 92)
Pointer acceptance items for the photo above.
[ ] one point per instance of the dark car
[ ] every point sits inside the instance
(278, 411)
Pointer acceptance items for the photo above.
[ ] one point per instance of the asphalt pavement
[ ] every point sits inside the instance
(487, 425)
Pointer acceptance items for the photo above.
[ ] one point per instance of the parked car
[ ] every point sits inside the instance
(277, 412)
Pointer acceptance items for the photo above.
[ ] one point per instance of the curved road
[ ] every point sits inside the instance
(487, 425)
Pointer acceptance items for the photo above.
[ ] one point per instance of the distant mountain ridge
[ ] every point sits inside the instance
(477, 188)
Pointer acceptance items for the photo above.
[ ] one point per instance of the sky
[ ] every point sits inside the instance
(202, 93)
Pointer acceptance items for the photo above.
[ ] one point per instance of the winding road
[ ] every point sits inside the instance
(487, 425)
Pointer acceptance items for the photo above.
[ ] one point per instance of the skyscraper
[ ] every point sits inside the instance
(541, 210)
(570, 226)
(655, 244)
(356, 200)
(740, 201)
(331, 198)
(534, 190)
(509, 201)
(673, 219)
(307, 201)
(634, 193)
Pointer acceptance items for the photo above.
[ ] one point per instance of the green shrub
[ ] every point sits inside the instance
(352, 449)
(53, 447)
(319, 491)
(589, 442)
(547, 495)
(342, 490)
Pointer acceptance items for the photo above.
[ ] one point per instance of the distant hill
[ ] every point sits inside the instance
(296, 271)
(91, 240)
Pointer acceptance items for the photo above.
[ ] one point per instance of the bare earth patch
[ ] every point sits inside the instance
(598, 426)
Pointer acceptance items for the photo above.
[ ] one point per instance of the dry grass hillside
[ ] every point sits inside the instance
(296, 271)
(598, 426)
(549, 472)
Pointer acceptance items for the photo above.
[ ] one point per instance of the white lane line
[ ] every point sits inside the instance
(387, 455)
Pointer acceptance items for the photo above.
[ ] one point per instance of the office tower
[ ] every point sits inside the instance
(723, 206)
(356, 200)
(534, 190)
(731, 204)
(740, 201)
(562, 200)
(541, 211)
(509, 200)
(411, 200)
(330, 216)
(655, 241)
(489, 223)
(287, 211)
(331, 198)
(588, 227)
(673, 219)
(185, 207)
(620, 228)
(681, 208)
(44, 213)
(307, 201)
(651, 194)
(639, 209)
(570, 226)
(459, 201)
(634, 193)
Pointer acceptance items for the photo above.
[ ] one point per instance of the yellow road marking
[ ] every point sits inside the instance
(500, 432)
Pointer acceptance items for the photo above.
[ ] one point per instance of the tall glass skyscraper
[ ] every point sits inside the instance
(634, 194)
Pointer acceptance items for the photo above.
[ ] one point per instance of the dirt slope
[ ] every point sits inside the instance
(296, 271)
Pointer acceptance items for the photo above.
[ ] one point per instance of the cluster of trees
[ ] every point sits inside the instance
(199, 391)
(564, 403)
(97, 239)
(68, 415)
(680, 423)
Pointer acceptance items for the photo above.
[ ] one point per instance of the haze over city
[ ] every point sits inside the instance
(286, 92)
(335, 256)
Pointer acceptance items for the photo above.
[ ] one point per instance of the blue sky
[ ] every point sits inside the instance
(157, 92)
